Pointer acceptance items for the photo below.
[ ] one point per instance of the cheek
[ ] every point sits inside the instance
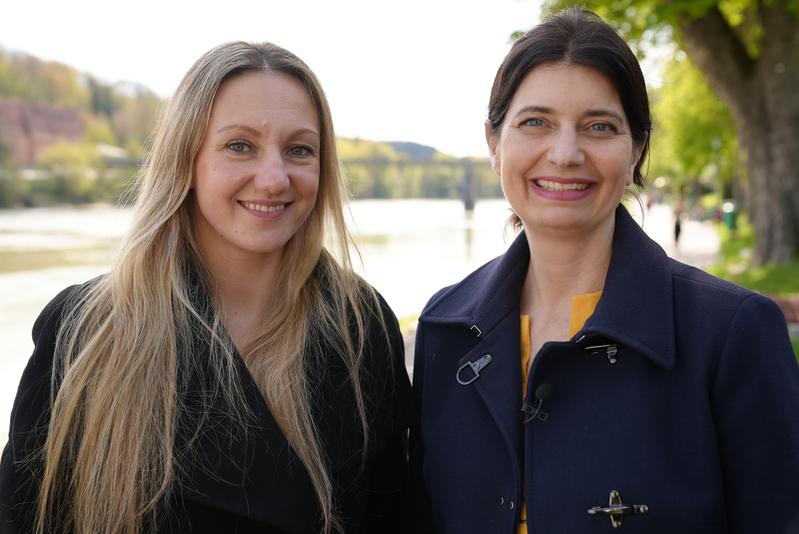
(202, 167)
(617, 166)
(514, 189)
(308, 184)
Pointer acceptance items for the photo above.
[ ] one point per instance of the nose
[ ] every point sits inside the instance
(565, 150)
(271, 174)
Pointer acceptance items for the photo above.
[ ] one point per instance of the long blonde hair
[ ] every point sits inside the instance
(126, 338)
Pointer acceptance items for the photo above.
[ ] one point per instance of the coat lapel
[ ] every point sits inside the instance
(486, 306)
(250, 472)
(499, 383)
(636, 309)
(637, 305)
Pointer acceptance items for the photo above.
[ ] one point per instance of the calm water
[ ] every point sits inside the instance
(409, 249)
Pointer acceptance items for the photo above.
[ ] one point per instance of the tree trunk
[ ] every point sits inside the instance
(777, 73)
(769, 205)
(761, 95)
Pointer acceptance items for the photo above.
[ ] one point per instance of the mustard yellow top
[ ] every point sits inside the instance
(583, 307)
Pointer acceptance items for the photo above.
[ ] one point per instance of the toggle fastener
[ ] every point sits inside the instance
(616, 510)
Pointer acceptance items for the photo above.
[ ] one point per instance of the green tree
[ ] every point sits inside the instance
(367, 167)
(12, 187)
(749, 52)
(694, 136)
(72, 169)
(135, 119)
(25, 77)
(103, 100)
(98, 130)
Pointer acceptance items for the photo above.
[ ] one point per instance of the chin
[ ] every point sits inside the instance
(555, 220)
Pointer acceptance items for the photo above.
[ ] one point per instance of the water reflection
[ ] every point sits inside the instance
(409, 249)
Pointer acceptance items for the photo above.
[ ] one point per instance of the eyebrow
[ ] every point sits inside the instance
(244, 127)
(255, 132)
(599, 112)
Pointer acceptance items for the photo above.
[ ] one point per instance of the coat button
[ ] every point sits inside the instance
(501, 501)
(510, 505)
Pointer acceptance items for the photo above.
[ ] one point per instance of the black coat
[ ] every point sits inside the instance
(681, 392)
(253, 482)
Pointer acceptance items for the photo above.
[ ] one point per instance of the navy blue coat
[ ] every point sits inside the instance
(689, 406)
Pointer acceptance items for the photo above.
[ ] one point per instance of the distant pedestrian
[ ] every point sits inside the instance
(679, 209)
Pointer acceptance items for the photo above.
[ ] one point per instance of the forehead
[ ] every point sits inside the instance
(566, 86)
(255, 97)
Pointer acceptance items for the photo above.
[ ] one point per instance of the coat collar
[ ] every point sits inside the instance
(636, 308)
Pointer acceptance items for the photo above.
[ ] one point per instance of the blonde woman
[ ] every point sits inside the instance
(230, 374)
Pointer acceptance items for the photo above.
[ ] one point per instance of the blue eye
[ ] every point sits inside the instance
(536, 123)
(300, 151)
(239, 146)
(603, 127)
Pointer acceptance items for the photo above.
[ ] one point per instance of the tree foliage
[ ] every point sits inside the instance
(72, 169)
(25, 77)
(646, 22)
(123, 117)
(694, 136)
(376, 170)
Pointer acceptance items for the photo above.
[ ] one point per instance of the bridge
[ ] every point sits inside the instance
(469, 170)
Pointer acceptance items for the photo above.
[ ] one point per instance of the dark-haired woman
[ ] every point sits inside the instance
(584, 381)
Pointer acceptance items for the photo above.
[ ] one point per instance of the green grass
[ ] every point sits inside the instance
(736, 248)
(371, 239)
(735, 266)
(34, 260)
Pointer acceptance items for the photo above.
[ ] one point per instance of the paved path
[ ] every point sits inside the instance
(699, 240)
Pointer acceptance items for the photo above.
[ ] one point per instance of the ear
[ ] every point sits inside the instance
(492, 140)
(637, 150)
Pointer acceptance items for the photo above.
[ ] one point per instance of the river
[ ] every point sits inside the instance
(409, 249)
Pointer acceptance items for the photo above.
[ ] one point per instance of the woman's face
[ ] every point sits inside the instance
(564, 152)
(257, 172)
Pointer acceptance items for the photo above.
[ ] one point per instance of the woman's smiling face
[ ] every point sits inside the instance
(256, 175)
(564, 151)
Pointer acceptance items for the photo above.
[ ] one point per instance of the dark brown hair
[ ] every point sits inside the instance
(579, 37)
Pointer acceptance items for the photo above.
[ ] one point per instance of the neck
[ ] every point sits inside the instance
(563, 265)
(243, 284)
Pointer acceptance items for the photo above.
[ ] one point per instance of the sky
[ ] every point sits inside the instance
(410, 70)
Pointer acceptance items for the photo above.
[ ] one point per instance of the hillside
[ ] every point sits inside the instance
(82, 138)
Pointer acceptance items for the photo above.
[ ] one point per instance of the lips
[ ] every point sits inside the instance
(562, 189)
(264, 208)
(551, 185)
